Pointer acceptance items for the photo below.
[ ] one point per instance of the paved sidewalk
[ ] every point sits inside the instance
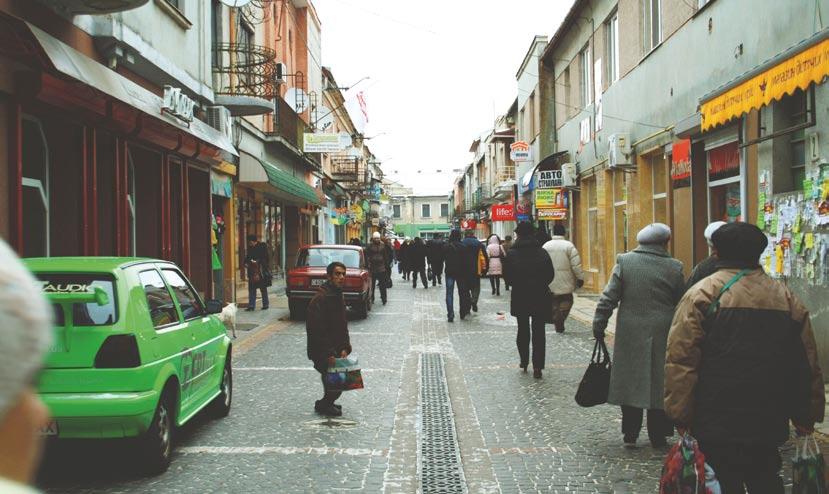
(584, 306)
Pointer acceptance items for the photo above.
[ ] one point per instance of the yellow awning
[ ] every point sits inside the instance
(807, 65)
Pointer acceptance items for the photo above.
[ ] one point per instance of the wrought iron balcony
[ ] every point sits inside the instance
(243, 78)
(345, 169)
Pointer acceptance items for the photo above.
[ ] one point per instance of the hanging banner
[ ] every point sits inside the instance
(520, 151)
(502, 212)
(551, 204)
(469, 224)
(681, 163)
(548, 179)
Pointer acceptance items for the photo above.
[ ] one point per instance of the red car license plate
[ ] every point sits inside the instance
(49, 429)
(317, 281)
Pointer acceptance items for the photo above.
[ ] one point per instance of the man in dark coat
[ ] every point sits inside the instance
(707, 266)
(377, 256)
(404, 258)
(258, 269)
(741, 364)
(529, 270)
(327, 329)
(416, 257)
(474, 248)
(435, 248)
(458, 270)
(507, 245)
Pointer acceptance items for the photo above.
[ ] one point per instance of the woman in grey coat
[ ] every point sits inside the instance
(646, 284)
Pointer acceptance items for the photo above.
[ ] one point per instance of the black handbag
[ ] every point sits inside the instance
(595, 384)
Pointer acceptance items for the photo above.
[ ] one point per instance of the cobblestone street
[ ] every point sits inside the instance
(515, 433)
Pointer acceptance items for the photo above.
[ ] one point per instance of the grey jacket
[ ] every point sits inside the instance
(646, 284)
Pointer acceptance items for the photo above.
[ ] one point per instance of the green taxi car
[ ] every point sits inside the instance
(136, 353)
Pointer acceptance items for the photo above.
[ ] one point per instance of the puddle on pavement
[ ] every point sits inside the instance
(330, 423)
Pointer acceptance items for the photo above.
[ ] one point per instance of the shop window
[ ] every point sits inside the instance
(620, 218)
(652, 23)
(444, 210)
(199, 221)
(105, 175)
(724, 183)
(65, 142)
(791, 112)
(592, 224)
(659, 175)
(585, 68)
(146, 201)
(35, 190)
(612, 48)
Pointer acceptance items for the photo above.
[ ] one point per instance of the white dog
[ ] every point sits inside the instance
(228, 316)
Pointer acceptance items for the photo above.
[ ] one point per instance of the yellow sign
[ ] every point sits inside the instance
(798, 72)
(550, 199)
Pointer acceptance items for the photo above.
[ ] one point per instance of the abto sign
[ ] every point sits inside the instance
(469, 224)
(177, 104)
(503, 212)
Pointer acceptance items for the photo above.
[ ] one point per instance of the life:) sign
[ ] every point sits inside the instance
(549, 179)
(502, 212)
(177, 104)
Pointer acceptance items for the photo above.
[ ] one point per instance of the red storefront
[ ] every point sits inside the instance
(98, 164)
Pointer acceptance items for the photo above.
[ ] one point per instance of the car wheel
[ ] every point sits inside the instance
(221, 404)
(157, 443)
(296, 309)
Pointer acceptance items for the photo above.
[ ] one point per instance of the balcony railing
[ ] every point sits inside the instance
(345, 169)
(243, 77)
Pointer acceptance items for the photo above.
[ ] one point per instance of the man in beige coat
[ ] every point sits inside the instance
(569, 275)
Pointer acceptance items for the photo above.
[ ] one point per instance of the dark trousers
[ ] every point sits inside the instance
(740, 467)
(659, 426)
(539, 341)
(379, 279)
(437, 272)
(422, 272)
(252, 295)
(463, 296)
(474, 287)
(495, 282)
(328, 397)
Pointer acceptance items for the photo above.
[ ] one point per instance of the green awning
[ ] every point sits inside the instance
(290, 184)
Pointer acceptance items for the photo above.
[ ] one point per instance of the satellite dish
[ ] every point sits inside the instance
(235, 4)
(325, 119)
(297, 99)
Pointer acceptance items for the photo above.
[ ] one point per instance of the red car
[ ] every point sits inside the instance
(309, 273)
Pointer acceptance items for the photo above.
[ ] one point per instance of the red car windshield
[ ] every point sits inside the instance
(320, 257)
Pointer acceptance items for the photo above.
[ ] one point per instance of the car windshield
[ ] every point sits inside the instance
(323, 257)
(82, 314)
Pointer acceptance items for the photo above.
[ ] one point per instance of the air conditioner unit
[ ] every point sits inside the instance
(280, 73)
(568, 175)
(619, 152)
(220, 119)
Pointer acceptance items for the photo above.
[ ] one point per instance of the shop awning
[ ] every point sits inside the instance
(796, 68)
(76, 65)
(290, 184)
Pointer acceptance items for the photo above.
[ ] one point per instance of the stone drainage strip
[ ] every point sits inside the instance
(440, 468)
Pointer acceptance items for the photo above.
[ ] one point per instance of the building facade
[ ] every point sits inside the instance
(419, 216)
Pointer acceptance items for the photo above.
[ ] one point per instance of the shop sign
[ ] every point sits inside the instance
(503, 212)
(520, 151)
(552, 214)
(357, 213)
(177, 104)
(325, 143)
(522, 210)
(681, 163)
(469, 224)
(809, 66)
(551, 199)
(549, 179)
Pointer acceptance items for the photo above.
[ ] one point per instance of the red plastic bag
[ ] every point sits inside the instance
(684, 471)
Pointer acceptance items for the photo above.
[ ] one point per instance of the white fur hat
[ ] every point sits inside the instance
(710, 229)
(25, 328)
(375, 235)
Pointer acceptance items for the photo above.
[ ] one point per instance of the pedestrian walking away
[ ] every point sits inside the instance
(377, 255)
(25, 337)
(389, 261)
(741, 363)
(257, 262)
(707, 266)
(507, 245)
(326, 328)
(457, 272)
(646, 285)
(436, 261)
(530, 271)
(403, 267)
(494, 270)
(569, 275)
(416, 255)
(475, 257)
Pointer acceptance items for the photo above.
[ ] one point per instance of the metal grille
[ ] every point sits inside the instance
(440, 459)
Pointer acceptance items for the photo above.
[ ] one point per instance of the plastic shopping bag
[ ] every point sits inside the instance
(345, 375)
(808, 468)
(685, 470)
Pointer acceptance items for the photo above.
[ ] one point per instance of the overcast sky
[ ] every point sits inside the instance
(439, 72)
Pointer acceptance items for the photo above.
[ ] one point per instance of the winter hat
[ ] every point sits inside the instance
(655, 233)
(375, 235)
(740, 242)
(710, 229)
(25, 328)
(525, 229)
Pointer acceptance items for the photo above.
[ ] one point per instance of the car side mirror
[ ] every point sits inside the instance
(213, 306)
